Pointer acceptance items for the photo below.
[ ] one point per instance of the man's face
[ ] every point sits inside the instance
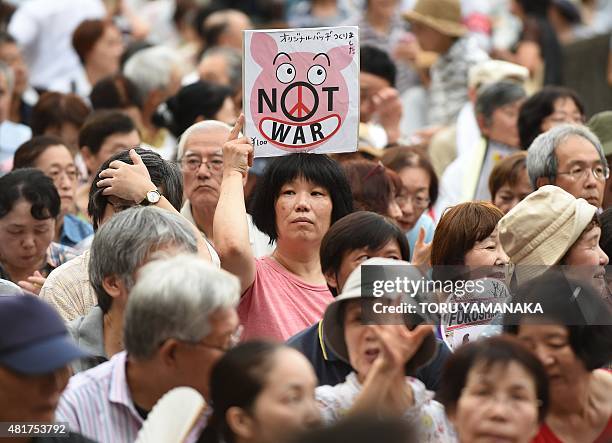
(607, 202)
(503, 127)
(369, 86)
(574, 155)
(196, 360)
(32, 398)
(202, 166)
(214, 69)
(237, 23)
(112, 144)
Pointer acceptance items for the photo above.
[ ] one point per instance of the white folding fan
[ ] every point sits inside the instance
(172, 417)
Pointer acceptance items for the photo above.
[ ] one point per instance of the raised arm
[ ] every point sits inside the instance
(132, 182)
(230, 228)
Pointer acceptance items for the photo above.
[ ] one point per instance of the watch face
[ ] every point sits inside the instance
(153, 196)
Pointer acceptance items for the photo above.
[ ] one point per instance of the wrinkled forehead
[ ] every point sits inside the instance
(206, 141)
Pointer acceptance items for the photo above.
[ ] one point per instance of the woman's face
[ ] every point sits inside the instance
(587, 260)
(413, 200)
(550, 343)
(487, 252)
(227, 113)
(508, 196)
(354, 258)
(23, 239)
(564, 111)
(286, 405)
(57, 163)
(498, 403)
(361, 340)
(106, 53)
(303, 212)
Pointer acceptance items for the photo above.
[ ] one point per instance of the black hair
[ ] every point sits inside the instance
(33, 186)
(361, 429)
(490, 351)
(537, 8)
(101, 125)
(539, 106)
(316, 168)
(236, 380)
(377, 62)
(115, 92)
(605, 241)
(573, 305)
(164, 174)
(199, 99)
(27, 154)
(361, 229)
(6, 38)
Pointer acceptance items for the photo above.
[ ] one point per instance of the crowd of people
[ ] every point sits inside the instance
(144, 249)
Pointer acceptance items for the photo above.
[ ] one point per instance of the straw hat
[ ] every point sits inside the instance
(538, 231)
(442, 15)
(333, 325)
(493, 71)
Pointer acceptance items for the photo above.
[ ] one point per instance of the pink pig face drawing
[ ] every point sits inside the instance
(300, 99)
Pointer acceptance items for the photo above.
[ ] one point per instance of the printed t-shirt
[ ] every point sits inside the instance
(278, 304)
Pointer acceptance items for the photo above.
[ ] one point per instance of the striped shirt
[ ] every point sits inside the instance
(97, 403)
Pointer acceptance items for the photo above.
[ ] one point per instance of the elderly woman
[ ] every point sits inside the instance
(509, 182)
(50, 155)
(249, 387)
(295, 203)
(381, 356)
(99, 45)
(29, 207)
(551, 106)
(466, 246)
(552, 227)
(494, 390)
(572, 339)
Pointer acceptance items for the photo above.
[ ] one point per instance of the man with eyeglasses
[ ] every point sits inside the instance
(180, 319)
(201, 159)
(571, 157)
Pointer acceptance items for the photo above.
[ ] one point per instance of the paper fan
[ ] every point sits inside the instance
(172, 417)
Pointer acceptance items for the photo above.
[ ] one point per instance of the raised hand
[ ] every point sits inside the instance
(237, 151)
(128, 182)
(422, 251)
(398, 345)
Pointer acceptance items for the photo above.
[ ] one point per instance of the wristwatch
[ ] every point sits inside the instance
(151, 198)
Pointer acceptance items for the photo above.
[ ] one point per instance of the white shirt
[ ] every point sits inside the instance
(43, 29)
(12, 135)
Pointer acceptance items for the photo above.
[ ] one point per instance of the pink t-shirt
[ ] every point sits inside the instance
(278, 304)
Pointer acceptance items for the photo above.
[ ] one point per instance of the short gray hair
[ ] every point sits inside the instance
(9, 75)
(234, 64)
(151, 69)
(196, 128)
(123, 244)
(541, 158)
(496, 95)
(174, 298)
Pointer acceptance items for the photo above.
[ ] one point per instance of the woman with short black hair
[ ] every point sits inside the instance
(29, 205)
(295, 202)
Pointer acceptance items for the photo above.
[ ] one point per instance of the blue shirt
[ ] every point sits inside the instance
(331, 370)
(74, 230)
(412, 235)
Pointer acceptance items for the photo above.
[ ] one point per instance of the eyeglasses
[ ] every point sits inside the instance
(578, 173)
(418, 201)
(487, 398)
(192, 164)
(71, 172)
(233, 341)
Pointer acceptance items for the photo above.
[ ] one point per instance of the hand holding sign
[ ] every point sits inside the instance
(237, 151)
(301, 90)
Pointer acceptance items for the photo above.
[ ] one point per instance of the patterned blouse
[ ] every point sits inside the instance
(426, 416)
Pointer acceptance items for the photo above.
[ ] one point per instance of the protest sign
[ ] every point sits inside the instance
(301, 90)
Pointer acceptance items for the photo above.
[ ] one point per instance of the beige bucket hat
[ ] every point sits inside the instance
(538, 231)
(333, 325)
(442, 15)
